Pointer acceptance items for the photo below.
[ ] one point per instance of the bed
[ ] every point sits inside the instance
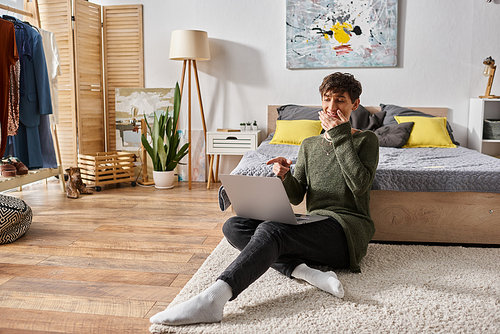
(428, 195)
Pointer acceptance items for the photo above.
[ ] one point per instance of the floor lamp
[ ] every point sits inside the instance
(190, 46)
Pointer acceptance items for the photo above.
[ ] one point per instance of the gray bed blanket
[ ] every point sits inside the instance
(253, 163)
(399, 169)
(437, 169)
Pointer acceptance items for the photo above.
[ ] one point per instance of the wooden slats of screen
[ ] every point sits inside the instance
(123, 56)
(89, 83)
(55, 16)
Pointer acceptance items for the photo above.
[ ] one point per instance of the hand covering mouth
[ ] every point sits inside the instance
(333, 113)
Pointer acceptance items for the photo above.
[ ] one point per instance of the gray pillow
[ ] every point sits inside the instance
(393, 110)
(292, 112)
(394, 135)
(362, 119)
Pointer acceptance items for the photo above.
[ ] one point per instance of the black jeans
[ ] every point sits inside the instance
(265, 244)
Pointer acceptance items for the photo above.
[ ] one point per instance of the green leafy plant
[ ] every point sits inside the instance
(165, 140)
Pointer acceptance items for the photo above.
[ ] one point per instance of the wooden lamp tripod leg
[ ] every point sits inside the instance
(202, 114)
(190, 62)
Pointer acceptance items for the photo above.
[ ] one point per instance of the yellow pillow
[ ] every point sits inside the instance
(427, 131)
(294, 132)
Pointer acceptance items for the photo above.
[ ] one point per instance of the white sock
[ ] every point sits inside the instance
(326, 281)
(205, 307)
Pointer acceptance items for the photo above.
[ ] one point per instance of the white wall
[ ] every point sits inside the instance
(441, 48)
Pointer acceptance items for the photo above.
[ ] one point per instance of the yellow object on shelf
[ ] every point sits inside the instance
(107, 168)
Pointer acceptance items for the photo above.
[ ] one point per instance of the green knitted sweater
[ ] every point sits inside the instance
(338, 184)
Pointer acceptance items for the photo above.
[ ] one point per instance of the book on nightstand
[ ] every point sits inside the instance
(228, 130)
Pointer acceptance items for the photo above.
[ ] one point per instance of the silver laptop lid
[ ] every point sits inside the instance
(257, 197)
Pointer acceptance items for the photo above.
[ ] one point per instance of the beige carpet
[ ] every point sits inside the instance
(402, 289)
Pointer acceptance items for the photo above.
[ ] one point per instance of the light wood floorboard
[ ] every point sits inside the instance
(106, 262)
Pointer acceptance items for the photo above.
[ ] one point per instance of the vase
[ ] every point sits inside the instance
(164, 180)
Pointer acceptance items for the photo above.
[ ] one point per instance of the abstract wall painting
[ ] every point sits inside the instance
(341, 33)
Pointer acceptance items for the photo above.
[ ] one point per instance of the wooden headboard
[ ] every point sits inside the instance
(272, 114)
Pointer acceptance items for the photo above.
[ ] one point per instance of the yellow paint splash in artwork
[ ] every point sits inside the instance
(326, 37)
(339, 32)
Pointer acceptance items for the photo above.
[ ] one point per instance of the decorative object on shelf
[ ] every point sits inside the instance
(254, 126)
(12, 166)
(164, 148)
(491, 129)
(489, 71)
(338, 33)
(243, 126)
(190, 46)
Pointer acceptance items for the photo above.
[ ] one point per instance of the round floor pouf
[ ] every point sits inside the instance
(15, 218)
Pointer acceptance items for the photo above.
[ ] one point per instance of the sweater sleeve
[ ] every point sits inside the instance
(358, 170)
(296, 185)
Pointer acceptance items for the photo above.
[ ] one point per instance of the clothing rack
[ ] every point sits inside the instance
(15, 10)
(32, 15)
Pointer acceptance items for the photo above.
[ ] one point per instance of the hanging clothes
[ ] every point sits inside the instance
(13, 117)
(54, 70)
(35, 97)
(8, 58)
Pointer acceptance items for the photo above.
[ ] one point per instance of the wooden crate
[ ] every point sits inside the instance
(107, 168)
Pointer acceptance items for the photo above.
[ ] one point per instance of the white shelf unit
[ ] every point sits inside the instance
(479, 110)
(228, 143)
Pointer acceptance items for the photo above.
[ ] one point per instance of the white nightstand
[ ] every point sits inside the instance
(228, 143)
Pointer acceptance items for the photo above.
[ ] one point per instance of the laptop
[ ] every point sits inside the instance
(262, 198)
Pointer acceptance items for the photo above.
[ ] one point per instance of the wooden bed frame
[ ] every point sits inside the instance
(429, 217)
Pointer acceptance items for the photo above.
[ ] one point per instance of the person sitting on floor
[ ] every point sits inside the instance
(335, 172)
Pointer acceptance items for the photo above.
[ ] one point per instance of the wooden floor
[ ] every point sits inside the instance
(104, 263)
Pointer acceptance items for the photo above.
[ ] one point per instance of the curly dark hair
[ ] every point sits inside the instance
(340, 83)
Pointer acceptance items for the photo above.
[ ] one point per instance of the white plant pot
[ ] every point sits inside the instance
(164, 180)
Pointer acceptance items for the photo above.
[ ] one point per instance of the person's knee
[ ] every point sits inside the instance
(230, 227)
(269, 229)
(235, 230)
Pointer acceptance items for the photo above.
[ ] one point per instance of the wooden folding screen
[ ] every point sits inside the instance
(56, 17)
(123, 56)
(83, 120)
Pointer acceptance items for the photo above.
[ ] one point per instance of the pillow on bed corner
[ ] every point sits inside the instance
(427, 132)
(295, 112)
(394, 110)
(293, 132)
(362, 119)
(395, 135)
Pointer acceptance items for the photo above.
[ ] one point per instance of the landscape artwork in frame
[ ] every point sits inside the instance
(341, 33)
(131, 104)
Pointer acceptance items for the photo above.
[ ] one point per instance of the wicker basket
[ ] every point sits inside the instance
(491, 129)
(107, 168)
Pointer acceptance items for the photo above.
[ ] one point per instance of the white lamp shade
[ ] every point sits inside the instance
(189, 44)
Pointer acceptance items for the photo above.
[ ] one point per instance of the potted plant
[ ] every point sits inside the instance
(164, 148)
